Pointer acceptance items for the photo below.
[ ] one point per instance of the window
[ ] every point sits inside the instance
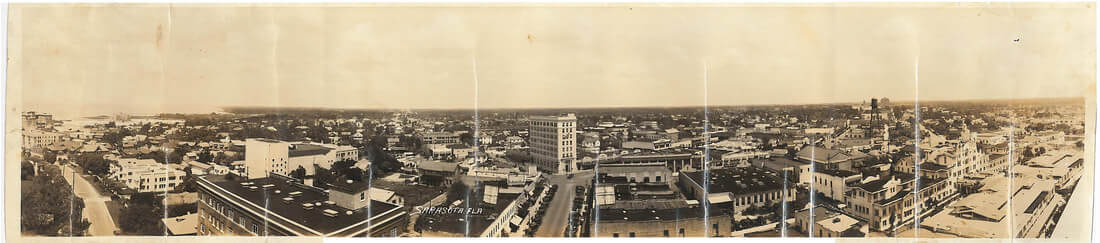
(362, 196)
(631, 234)
(615, 235)
(681, 232)
(666, 233)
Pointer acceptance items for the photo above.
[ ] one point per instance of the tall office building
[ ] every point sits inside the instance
(553, 142)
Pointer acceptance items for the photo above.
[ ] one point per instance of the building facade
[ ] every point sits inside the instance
(146, 175)
(236, 207)
(553, 142)
(268, 156)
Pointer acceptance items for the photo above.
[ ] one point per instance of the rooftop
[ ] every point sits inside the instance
(481, 213)
(292, 214)
(739, 180)
(182, 225)
(671, 214)
(349, 186)
(778, 163)
(838, 173)
(305, 149)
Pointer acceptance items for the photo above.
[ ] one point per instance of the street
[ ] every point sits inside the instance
(557, 215)
(95, 207)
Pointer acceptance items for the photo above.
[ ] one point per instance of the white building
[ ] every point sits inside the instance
(264, 156)
(36, 138)
(146, 175)
(553, 142)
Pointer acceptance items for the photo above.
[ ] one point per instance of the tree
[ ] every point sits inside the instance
(1028, 153)
(156, 155)
(205, 157)
(517, 156)
(141, 216)
(182, 209)
(94, 163)
(299, 173)
(50, 156)
(791, 153)
(188, 184)
(322, 177)
(26, 169)
(222, 159)
(346, 169)
(115, 137)
(466, 138)
(43, 214)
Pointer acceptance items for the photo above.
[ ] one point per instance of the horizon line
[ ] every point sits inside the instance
(636, 107)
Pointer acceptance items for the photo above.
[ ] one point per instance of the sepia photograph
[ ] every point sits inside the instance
(248, 122)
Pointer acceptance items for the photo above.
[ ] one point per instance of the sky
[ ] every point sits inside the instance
(195, 58)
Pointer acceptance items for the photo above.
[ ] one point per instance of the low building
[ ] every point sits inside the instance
(436, 172)
(491, 209)
(182, 225)
(280, 206)
(268, 156)
(638, 174)
(440, 138)
(834, 184)
(670, 222)
(888, 201)
(146, 175)
(797, 171)
(647, 144)
(826, 222)
(674, 159)
(740, 187)
(830, 158)
(39, 139)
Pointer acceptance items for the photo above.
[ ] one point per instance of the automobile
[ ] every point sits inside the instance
(570, 176)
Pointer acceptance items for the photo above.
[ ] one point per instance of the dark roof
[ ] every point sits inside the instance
(876, 185)
(668, 214)
(430, 165)
(291, 214)
(342, 184)
(739, 180)
(477, 221)
(838, 173)
(896, 197)
(996, 156)
(304, 149)
(777, 163)
(931, 166)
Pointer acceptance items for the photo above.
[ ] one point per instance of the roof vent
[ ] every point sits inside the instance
(836, 220)
(330, 212)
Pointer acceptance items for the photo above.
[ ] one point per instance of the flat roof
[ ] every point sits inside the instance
(305, 149)
(481, 213)
(182, 225)
(780, 162)
(738, 181)
(838, 173)
(293, 215)
(672, 214)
